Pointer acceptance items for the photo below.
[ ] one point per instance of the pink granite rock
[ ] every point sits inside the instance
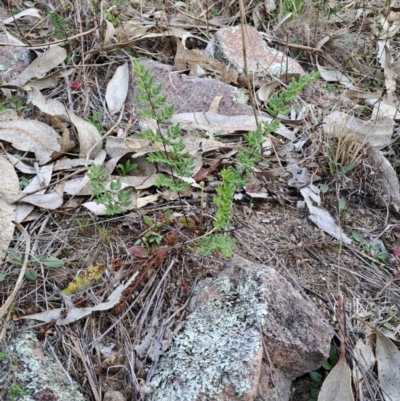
(261, 59)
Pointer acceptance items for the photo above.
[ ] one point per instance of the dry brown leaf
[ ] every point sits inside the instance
(32, 136)
(117, 89)
(265, 91)
(334, 75)
(364, 353)
(224, 125)
(9, 187)
(119, 147)
(89, 137)
(337, 386)
(388, 359)
(190, 59)
(321, 217)
(30, 12)
(50, 81)
(109, 34)
(375, 133)
(74, 314)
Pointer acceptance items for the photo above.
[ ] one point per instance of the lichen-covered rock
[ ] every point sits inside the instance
(37, 373)
(247, 309)
(13, 59)
(226, 46)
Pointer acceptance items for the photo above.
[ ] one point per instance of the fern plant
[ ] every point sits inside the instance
(170, 149)
(279, 103)
(248, 157)
(62, 27)
(170, 152)
(115, 200)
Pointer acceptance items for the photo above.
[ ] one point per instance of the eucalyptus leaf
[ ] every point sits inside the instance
(147, 221)
(2, 277)
(324, 188)
(14, 254)
(357, 236)
(316, 377)
(30, 275)
(37, 258)
(53, 263)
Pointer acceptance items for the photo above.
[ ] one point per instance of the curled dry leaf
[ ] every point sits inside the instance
(33, 136)
(110, 32)
(388, 359)
(41, 65)
(117, 89)
(30, 12)
(377, 133)
(387, 180)
(89, 137)
(9, 186)
(321, 217)
(118, 147)
(337, 386)
(74, 314)
(364, 353)
(224, 125)
(334, 75)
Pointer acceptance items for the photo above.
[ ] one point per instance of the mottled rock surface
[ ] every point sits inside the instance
(261, 59)
(13, 59)
(37, 372)
(248, 311)
(193, 94)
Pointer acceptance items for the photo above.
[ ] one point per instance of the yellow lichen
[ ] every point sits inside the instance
(83, 280)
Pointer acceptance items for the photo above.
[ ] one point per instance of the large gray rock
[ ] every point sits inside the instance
(247, 312)
(37, 372)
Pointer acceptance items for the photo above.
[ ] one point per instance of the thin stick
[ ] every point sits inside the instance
(50, 44)
(5, 308)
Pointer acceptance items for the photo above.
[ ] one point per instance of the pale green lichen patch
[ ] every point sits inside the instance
(37, 372)
(219, 339)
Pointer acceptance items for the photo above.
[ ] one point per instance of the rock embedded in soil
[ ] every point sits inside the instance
(191, 94)
(37, 372)
(220, 353)
(13, 59)
(226, 46)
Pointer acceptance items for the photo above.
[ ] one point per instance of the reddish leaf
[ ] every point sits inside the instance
(76, 85)
(139, 251)
(203, 173)
(396, 251)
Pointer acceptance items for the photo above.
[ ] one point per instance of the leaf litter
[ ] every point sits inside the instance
(54, 157)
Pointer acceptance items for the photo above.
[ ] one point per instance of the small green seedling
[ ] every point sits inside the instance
(17, 258)
(16, 392)
(112, 197)
(97, 120)
(342, 207)
(127, 167)
(376, 250)
(318, 378)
